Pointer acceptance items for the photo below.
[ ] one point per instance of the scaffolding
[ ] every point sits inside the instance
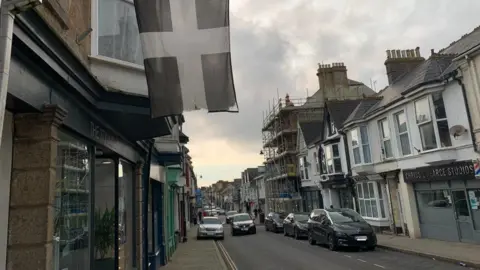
(279, 137)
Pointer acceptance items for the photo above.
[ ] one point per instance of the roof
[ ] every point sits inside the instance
(339, 110)
(252, 173)
(311, 130)
(431, 70)
(465, 43)
(362, 108)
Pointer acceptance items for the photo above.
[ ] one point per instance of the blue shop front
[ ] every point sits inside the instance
(102, 140)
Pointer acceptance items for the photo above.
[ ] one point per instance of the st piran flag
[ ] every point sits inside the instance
(186, 50)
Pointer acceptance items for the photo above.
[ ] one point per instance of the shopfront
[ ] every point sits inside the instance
(337, 191)
(74, 172)
(448, 201)
(312, 198)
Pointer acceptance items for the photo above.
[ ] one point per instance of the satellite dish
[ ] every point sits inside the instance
(457, 130)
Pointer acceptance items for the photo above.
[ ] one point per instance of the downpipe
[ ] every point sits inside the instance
(9, 9)
(145, 192)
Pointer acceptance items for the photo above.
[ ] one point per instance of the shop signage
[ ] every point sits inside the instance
(454, 171)
(101, 135)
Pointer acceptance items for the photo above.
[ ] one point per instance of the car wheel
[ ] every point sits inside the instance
(295, 233)
(372, 248)
(332, 245)
(311, 241)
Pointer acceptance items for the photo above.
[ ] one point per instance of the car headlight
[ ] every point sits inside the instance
(235, 226)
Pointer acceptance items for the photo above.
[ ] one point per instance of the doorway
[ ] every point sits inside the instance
(157, 222)
(462, 216)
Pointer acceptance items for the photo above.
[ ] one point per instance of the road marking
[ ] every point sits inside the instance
(361, 260)
(348, 256)
(230, 262)
(378, 265)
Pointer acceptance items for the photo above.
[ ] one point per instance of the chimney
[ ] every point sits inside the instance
(330, 78)
(400, 62)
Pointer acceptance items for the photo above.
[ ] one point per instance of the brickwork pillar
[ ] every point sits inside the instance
(139, 211)
(32, 189)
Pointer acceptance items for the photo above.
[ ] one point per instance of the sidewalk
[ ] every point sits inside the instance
(196, 254)
(454, 252)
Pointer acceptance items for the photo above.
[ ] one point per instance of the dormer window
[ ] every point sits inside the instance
(331, 127)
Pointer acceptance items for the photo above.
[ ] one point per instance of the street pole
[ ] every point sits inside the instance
(9, 8)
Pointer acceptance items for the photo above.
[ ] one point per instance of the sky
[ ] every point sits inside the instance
(277, 44)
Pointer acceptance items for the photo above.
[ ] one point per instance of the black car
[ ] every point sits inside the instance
(243, 224)
(274, 222)
(340, 228)
(229, 215)
(295, 224)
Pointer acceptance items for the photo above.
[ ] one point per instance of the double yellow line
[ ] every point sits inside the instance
(228, 260)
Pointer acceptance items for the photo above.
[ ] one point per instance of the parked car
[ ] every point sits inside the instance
(274, 222)
(210, 227)
(340, 228)
(295, 224)
(229, 216)
(212, 213)
(243, 224)
(221, 211)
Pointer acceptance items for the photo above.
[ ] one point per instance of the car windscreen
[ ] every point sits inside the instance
(241, 218)
(280, 216)
(229, 213)
(345, 216)
(301, 218)
(211, 221)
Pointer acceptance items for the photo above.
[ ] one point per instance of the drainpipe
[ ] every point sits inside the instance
(469, 117)
(9, 8)
(146, 186)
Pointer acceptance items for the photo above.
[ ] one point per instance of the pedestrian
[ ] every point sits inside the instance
(255, 211)
(200, 217)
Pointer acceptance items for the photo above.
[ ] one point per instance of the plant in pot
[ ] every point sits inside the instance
(104, 238)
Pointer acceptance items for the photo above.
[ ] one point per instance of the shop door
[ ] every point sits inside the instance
(346, 200)
(462, 215)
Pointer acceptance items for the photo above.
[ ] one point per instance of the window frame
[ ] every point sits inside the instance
(94, 20)
(398, 134)
(360, 145)
(379, 202)
(385, 139)
(425, 122)
(317, 162)
(333, 158)
(302, 162)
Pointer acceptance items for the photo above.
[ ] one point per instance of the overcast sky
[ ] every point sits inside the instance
(278, 43)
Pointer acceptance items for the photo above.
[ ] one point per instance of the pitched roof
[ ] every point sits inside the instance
(465, 43)
(311, 130)
(362, 108)
(431, 70)
(339, 110)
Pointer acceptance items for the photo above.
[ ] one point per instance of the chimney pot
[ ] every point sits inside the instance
(417, 52)
(432, 51)
(399, 55)
(404, 53)
(389, 55)
(409, 55)
(412, 53)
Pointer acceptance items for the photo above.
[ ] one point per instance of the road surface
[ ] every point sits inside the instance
(267, 250)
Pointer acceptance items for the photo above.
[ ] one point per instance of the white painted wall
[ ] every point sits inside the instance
(313, 175)
(5, 174)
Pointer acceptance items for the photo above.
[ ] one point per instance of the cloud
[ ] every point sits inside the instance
(276, 44)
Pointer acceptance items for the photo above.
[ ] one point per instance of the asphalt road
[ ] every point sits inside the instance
(267, 250)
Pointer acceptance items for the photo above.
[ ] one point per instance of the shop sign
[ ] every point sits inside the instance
(101, 135)
(454, 171)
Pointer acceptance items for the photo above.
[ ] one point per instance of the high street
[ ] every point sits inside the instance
(267, 250)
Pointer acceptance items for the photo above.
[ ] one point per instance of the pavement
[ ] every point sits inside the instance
(197, 255)
(453, 252)
(267, 250)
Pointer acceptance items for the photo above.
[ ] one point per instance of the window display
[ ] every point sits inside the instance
(71, 205)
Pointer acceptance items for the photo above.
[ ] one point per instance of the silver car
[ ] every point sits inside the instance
(210, 227)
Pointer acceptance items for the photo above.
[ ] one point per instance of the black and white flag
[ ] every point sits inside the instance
(186, 50)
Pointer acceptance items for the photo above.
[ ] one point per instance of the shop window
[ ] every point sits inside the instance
(117, 31)
(371, 200)
(402, 133)
(71, 248)
(105, 214)
(386, 141)
(474, 201)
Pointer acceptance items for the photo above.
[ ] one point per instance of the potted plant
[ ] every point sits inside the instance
(104, 239)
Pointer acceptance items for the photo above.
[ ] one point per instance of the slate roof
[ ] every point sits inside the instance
(340, 110)
(431, 70)
(311, 130)
(362, 108)
(465, 43)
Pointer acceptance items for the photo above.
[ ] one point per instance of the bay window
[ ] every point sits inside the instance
(371, 200)
(384, 129)
(433, 126)
(360, 145)
(402, 133)
(303, 168)
(117, 31)
(332, 159)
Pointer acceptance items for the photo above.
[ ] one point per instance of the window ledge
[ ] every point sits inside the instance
(116, 62)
